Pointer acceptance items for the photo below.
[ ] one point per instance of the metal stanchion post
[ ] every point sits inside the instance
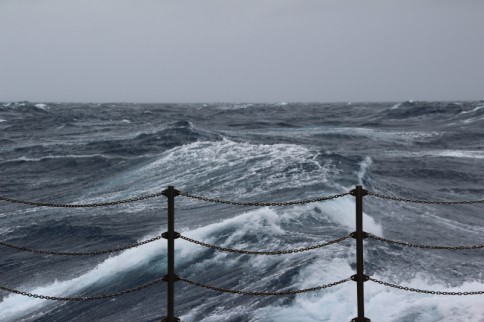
(170, 236)
(359, 235)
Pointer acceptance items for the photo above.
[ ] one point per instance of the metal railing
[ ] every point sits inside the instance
(171, 235)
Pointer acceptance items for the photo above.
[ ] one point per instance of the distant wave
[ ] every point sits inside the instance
(26, 106)
(478, 108)
(439, 154)
(49, 157)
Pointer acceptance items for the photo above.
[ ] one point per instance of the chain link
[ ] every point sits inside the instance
(435, 202)
(262, 204)
(312, 289)
(289, 251)
(396, 242)
(90, 253)
(82, 298)
(87, 205)
(410, 289)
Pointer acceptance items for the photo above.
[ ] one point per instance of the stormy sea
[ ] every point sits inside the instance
(91, 153)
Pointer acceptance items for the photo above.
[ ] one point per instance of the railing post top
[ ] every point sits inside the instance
(170, 192)
(359, 191)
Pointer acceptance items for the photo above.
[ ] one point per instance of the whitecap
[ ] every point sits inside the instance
(364, 165)
(405, 137)
(236, 106)
(469, 154)
(238, 168)
(43, 107)
(472, 120)
(15, 305)
(381, 303)
(474, 110)
(48, 157)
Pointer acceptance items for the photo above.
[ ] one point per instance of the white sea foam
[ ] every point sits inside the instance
(342, 212)
(474, 119)
(364, 165)
(14, 305)
(43, 107)
(382, 303)
(325, 269)
(380, 135)
(2, 120)
(474, 110)
(392, 136)
(395, 305)
(48, 157)
(397, 106)
(469, 154)
(236, 168)
(237, 106)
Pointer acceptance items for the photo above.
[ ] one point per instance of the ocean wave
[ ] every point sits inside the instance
(43, 107)
(173, 135)
(265, 228)
(427, 110)
(270, 153)
(364, 165)
(476, 109)
(382, 303)
(14, 306)
(232, 107)
(51, 157)
(25, 106)
(239, 168)
(270, 228)
(473, 120)
(348, 133)
(468, 154)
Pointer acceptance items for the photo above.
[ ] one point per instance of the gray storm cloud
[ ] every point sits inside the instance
(243, 51)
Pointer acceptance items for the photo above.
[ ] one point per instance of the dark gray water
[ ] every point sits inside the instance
(81, 153)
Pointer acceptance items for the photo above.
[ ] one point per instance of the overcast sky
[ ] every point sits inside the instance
(241, 50)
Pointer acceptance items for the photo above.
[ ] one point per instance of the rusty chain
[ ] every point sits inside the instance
(289, 251)
(82, 298)
(87, 205)
(89, 253)
(237, 203)
(262, 204)
(312, 289)
(396, 242)
(435, 202)
(411, 289)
